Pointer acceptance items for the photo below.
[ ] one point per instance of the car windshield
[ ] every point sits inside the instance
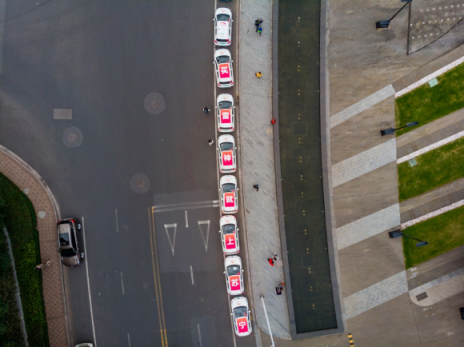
(226, 146)
(228, 229)
(225, 105)
(222, 59)
(222, 17)
(233, 270)
(241, 311)
(67, 252)
(228, 188)
(64, 239)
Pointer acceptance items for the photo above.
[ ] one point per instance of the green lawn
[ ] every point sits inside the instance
(434, 169)
(20, 221)
(443, 233)
(425, 104)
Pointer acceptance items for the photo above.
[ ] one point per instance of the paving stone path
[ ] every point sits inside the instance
(38, 192)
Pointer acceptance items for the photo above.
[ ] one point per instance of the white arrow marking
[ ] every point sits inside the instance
(205, 241)
(173, 242)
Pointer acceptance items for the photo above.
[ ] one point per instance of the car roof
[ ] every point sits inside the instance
(227, 179)
(226, 138)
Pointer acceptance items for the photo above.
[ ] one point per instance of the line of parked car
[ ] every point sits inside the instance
(225, 113)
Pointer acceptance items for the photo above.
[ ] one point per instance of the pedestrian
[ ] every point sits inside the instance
(260, 30)
(276, 257)
(210, 142)
(271, 262)
(273, 121)
(41, 266)
(279, 290)
(256, 186)
(258, 74)
(258, 23)
(206, 110)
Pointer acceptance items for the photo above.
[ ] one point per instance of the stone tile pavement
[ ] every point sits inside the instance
(53, 283)
(257, 164)
(368, 226)
(365, 162)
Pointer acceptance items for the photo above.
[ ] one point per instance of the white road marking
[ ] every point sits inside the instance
(128, 339)
(88, 282)
(185, 206)
(186, 220)
(122, 282)
(191, 275)
(205, 240)
(199, 334)
(173, 241)
(117, 223)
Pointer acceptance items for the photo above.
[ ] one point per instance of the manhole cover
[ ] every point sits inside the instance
(154, 103)
(299, 129)
(140, 183)
(72, 137)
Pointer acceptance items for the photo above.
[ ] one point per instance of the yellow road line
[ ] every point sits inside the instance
(162, 331)
(158, 282)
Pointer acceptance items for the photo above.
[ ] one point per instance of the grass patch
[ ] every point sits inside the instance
(434, 169)
(443, 233)
(19, 219)
(425, 104)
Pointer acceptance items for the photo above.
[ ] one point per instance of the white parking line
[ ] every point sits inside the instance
(122, 282)
(128, 339)
(88, 282)
(172, 242)
(117, 223)
(186, 220)
(191, 275)
(199, 334)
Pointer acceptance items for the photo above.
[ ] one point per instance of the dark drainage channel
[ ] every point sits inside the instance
(312, 309)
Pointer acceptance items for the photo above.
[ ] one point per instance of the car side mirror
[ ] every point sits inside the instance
(231, 314)
(243, 270)
(237, 189)
(219, 231)
(231, 61)
(238, 229)
(224, 272)
(235, 147)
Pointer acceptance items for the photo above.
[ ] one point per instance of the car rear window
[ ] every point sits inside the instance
(67, 252)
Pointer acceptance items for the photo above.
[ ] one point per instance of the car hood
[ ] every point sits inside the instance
(70, 261)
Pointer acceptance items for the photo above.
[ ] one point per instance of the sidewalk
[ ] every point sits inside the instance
(257, 160)
(40, 195)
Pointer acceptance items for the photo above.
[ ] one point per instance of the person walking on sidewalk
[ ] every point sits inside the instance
(271, 262)
(260, 30)
(41, 266)
(258, 74)
(276, 257)
(258, 23)
(273, 121)
(206, 110)
(210, 142)
(279, 290)
(256, 186)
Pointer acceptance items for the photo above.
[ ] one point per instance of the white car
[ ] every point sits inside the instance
(229, 235)
(226, 150)
(223, 27)
(241, 316)
(224, 71)
(229, 194)
(225, 111)
(234, 275)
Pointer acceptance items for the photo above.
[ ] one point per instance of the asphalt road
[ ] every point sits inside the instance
(136, 75)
